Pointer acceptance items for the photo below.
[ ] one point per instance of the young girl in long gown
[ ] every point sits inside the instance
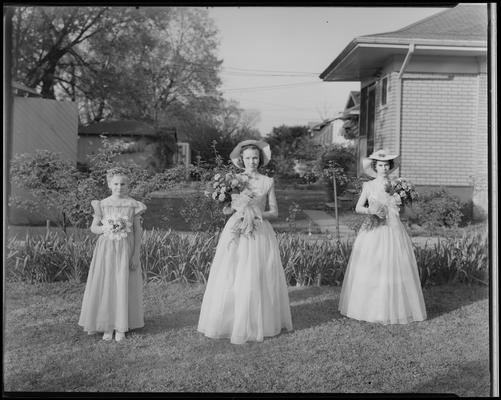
(113, 297)
(381, 283)
(246, 297)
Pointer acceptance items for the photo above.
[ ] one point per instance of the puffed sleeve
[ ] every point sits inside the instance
(139, 208)
(96, 205)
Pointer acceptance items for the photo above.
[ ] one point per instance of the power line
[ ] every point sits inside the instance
(271, 70)
(274, 104)
(259, 74)
(253, 88)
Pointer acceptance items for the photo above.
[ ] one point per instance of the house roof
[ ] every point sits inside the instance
(461, 30)
(20, 87)
(123, 128)
(465, 22)
(353, 101)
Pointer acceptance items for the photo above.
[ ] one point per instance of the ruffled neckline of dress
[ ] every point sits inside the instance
(127, 201)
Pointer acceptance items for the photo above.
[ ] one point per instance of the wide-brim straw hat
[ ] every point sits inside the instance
(380, 155)
(260, 144)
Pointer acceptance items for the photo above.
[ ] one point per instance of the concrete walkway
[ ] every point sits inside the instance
(327, 223)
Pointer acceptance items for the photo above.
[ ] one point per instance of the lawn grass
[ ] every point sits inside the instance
(45, 349)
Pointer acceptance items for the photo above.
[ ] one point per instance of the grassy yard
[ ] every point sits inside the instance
(45, 349)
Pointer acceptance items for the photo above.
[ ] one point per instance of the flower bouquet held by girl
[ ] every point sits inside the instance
(224, 185)
(116, 227)
(403, 190)
(232, 190)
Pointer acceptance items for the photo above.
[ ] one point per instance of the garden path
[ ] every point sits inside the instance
(327, 223)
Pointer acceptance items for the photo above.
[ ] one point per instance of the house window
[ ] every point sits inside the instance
(384, 90)
(368, 115)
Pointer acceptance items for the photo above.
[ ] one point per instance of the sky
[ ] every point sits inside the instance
(273, 56)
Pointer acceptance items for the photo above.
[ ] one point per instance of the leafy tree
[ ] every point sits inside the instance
(117, 62)
(163, 57)
(47, 39)
(211, 119)
(289, 143)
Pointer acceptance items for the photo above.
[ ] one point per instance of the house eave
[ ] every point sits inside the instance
(363, 57)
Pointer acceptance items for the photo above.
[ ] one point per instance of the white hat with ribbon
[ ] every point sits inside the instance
(380, 155)
(260, 144)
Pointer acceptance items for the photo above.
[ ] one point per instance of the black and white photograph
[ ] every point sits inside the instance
(250, 200)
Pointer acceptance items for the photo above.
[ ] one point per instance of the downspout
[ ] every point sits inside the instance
(398, 123)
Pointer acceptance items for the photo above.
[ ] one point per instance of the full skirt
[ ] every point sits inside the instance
(113, 297)
(246, 297)
(382, 283)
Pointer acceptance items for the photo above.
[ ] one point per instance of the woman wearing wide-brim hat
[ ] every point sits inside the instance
(381, 283)
(246, 297)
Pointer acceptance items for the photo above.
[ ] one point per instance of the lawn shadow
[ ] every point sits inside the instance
(469, 379)
(444, 299)
(299, 294)
(173, 321)
(308, 315)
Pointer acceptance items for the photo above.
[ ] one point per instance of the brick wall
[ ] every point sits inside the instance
(439, 128)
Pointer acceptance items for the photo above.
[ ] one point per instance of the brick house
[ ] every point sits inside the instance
(424, 96)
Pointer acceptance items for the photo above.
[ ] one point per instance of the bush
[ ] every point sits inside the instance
(438, 208)
(169, 256)
(463, 260)
(49, 258)
(340, 161)
(202, 213)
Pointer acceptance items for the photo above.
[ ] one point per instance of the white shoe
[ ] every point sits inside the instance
(91, 333)
(119, 336)
(108, 335)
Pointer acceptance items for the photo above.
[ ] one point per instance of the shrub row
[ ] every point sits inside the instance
(170, 256)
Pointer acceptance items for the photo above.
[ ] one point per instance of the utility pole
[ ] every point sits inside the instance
(335, 202)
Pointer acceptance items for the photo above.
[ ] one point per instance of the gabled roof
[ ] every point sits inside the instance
(124, 127)
(459, 31)
(353, 101)
(465, 22)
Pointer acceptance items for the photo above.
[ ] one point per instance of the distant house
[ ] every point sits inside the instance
(334, 131)
(141, 142)
(351, 115)
(424, 95)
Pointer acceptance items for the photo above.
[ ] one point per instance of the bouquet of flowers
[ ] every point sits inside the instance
(116, 227)
(248, 216)
(224, 185)
(377, 216)
(403, 191)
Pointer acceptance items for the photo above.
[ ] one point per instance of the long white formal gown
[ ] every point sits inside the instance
(382, 283)
(246, 298)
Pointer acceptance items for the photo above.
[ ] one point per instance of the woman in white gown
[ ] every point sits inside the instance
(381, 283)
(246, 297)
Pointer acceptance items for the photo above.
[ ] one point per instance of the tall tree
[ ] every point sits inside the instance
(163, 57)
(45, 38)
(122, 62)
